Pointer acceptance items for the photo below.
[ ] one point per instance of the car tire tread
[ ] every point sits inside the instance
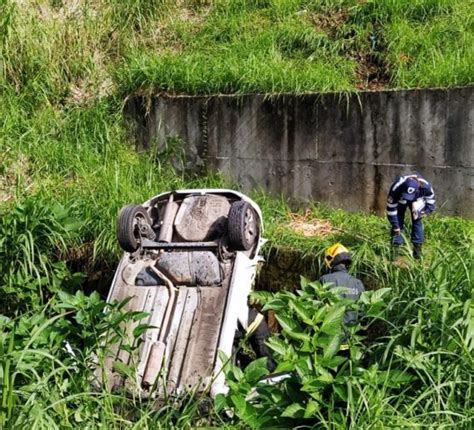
(236, 226)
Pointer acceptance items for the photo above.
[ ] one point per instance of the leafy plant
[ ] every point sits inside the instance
(321, 379)
(32, 233)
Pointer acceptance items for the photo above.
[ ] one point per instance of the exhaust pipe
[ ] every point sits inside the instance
(166, 229)
(156, 355)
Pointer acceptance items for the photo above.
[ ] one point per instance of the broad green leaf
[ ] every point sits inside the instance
(292, 328)
(285, 366)
(278, 345)
(332, 348)
(332, 362)
(140, 329)
(311, 408)
(238, 374)
(239, 402)
(319, 315)
(317, 384)
(304, 314)
(373, 296)
(245, 410)
(275, 304)
(378, 295)
(341, 391)
(304, 281)
(332, 323)
(255, 370)
(220, 402)
(260, 296)
(295, 410)
(137, 316)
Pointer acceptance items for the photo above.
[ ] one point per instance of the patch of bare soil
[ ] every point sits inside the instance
(402, 262)
(308, 226)
(371, 73)
(329, 23)
(272, 322)
(13, 173)
(82, 255)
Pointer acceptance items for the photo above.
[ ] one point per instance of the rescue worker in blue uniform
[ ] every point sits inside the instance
(338, 259)
(413, 192)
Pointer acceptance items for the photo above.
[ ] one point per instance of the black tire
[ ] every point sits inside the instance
(243, 226)
(128, 226)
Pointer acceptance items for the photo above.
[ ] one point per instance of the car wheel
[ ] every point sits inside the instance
(243, 226)
(133, 223)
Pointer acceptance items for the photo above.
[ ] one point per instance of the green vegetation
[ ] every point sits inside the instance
(300, 46)
(410, 357)
(414, 368)
(75, 52)
(67, 166)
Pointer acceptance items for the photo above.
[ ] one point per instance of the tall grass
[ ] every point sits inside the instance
(48, 359)
(67, 166)
(302, 46)
(77, 52)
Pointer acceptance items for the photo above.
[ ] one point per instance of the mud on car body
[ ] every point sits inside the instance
(190, 260)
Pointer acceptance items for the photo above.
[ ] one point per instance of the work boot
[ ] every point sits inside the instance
(417, 251)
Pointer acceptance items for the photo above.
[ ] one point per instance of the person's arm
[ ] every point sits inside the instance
(430, 201)
(322, 280)
(391, 209)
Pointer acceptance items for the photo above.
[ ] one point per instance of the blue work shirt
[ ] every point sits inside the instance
(395, 200)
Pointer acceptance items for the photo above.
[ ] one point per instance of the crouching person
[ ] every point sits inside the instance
(415, 193)
(257, 333)
(338, 259)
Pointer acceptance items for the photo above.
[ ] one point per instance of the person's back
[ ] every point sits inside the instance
(338, 259)
(353, 288)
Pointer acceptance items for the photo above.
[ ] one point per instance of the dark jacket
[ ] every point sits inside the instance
(354, 288)
(395, 200)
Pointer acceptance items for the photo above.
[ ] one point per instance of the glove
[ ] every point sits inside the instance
(397, 238)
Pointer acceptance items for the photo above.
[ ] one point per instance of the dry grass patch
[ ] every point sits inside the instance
(13, 175)
(306, 225)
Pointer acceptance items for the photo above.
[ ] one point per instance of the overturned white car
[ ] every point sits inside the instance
(190, 261)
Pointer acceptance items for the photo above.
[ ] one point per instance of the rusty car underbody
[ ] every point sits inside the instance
(189, 263)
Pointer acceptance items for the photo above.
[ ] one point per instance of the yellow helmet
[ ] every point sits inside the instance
(337, 254)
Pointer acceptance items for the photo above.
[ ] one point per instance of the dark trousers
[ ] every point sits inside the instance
(417, 234)
(257, 341)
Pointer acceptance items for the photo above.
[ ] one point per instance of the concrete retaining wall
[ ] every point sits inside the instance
(343, 150)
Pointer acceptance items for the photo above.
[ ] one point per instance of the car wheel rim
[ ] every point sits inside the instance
(250, 226)
(139, 226)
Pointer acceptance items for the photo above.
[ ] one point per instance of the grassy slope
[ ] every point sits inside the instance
(84, 49)
(66, 165)
(300, 46)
